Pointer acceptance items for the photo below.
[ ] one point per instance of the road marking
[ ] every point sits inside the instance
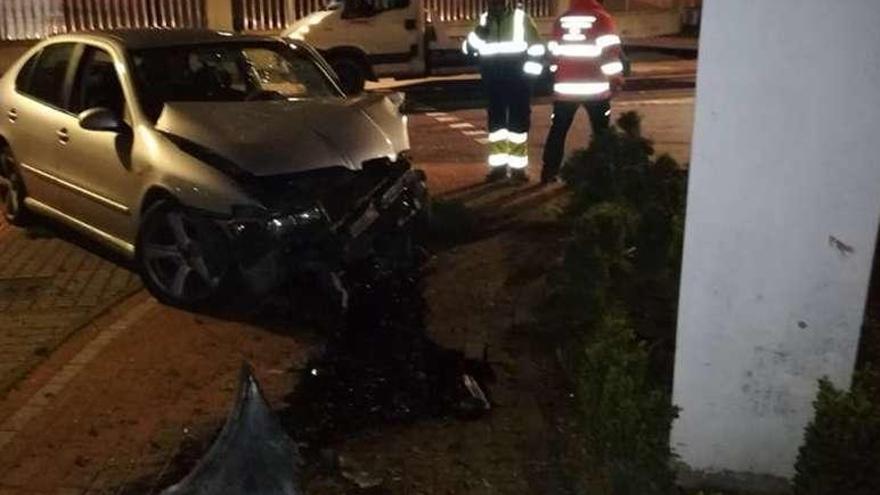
(42, 398)
(465, 128)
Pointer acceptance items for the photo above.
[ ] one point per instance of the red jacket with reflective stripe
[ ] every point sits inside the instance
(585, 51)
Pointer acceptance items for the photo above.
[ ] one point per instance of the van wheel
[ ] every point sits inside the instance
(12, 191)
(351, 72)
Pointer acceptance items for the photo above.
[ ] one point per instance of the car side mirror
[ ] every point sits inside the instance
(100, 119)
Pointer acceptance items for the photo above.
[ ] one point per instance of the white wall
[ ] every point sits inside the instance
(783, 209)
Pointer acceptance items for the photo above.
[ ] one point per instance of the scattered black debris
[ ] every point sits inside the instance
(382, 368)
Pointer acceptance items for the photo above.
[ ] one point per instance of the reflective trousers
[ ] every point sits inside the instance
(563, 115)
(508, 90)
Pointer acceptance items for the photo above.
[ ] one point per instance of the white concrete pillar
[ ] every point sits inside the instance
(783, 209)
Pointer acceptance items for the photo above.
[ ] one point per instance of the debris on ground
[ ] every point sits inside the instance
(382, 368)
(252, 453)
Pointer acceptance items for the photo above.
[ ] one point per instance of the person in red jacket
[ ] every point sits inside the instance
(587, 63)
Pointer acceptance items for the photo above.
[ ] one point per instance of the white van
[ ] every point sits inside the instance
(367, 39)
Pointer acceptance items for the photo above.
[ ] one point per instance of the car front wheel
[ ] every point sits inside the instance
(183, 258)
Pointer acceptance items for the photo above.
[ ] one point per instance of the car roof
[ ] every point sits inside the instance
(157, 38)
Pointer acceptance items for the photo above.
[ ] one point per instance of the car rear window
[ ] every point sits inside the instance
(23, 79)
(47, 74)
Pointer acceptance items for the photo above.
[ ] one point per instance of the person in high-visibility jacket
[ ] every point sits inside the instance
(510, 55)
(587, 65)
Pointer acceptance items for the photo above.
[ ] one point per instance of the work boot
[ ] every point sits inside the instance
(548, 177)
(496, 173)
(518, 176)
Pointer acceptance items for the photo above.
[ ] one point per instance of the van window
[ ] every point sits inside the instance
(353, 9)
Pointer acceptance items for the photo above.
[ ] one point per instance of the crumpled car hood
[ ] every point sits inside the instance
(276, 137)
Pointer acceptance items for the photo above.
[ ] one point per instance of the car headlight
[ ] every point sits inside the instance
(303, 219)
(246, 218)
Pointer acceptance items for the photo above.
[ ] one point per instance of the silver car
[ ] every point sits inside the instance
(213, 160)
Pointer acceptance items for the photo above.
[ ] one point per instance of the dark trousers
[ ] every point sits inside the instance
(509, 105)
(563, 115)
(509, 93)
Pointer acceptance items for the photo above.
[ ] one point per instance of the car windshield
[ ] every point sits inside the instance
(226, 72)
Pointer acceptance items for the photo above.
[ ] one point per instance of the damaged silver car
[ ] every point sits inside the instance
(209, 158)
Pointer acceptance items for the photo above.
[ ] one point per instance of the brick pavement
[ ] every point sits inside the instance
(49, 287)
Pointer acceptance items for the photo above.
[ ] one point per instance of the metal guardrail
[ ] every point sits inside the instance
(272, 15)
(31, 19)
(468, 10)
(34, 19)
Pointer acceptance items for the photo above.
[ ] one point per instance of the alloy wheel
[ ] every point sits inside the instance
(182, 256)
(11, 191)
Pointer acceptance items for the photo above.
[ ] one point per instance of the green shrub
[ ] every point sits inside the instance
(618, 175)
(615, 299)
(841, 451)
(597, 256)
(626, 417)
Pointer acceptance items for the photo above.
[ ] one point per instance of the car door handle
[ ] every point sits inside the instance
(63, 136)
(12, 114)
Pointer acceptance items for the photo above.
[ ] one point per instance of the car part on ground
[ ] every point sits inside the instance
(251, 455)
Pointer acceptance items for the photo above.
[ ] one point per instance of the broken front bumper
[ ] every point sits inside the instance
(268, 250)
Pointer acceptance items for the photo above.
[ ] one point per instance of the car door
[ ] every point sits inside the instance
(96, 165)
(36, 111)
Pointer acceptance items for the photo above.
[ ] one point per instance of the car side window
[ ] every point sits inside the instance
(97, 83)
(48, 73)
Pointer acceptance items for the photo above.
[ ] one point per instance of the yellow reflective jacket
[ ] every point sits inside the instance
(511, 32)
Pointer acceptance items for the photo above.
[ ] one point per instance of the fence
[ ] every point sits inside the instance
(466, 10)
(272, 15)
(33, 19)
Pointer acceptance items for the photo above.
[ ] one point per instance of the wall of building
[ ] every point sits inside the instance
(783, 209)
(10, 51)
(218, 14)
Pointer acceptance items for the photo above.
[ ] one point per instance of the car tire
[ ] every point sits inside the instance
(183, 258)
(12, 189)
(351, 72)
